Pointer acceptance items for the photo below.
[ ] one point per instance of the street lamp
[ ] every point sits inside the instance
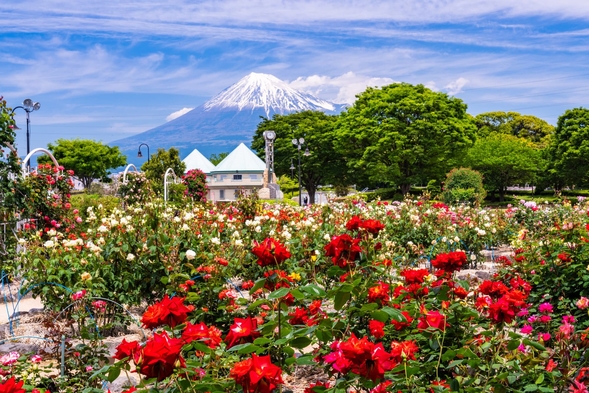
(139, 151)
(299, 144)
(292, 168)
(29, 106)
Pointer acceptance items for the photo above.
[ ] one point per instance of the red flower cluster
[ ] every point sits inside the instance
(402, 351)
(257, 374)
(307, 316)
(433, 320)
(11, 386)
(210, 336)
(506, 308)
(243, 330)
(379, 293)
(414, 276)
(270, 252)
(361, 357)
(169, 311)
(376, 328)
(370, 225)
(450, 262)
(160, 356)
(128, 349)
(343, 250)
(403, 324)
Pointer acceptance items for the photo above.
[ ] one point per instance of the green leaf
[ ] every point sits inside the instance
(259, 284)
(369, 307)
(530, 388)
(534, 344)
(277, 294)
(113, 373)
(380, 316)
(262, 341)
(244, 348)
(341, 298)
(540, 379)
(300, 342)
(314, 290)
(395, 314)
(513, 344)
(297, 294)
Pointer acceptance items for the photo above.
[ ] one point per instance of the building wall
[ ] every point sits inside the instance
(224, 186)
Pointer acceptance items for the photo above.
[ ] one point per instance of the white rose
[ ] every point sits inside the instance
(190, 255)
(130, 257)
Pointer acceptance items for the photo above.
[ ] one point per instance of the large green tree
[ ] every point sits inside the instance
(504, 160)
(568, 153)
(88, 159)
(157, 165)
(513, 123)
(322, 166)
(402, 134)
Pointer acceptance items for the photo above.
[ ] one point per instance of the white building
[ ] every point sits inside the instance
(242, 169)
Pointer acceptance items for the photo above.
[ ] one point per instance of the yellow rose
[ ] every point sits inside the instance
(86, 276)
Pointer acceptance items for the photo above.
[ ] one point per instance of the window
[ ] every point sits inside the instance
(221, 194)
(236, 177)
(253, 177)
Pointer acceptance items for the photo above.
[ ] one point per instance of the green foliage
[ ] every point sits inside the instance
(527, 127)
(569, 151)
(433, 188)
(248, 203)
(287, 184)
(156, 167)
(216, 159)
(195, 182)
(136, 189)
(317, 129)
(88, 159)
(82, 202)
(463, 185)
(504, 160)
(177, 193)
(402, 134)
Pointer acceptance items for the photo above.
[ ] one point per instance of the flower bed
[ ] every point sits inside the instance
(367, 294)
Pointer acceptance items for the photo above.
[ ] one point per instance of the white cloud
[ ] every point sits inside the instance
(340, 89)
(456, 86)
(177, 114)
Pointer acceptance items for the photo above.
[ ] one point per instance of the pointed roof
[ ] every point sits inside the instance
(196, 160)
(241, 159)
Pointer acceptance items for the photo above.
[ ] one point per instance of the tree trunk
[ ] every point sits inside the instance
(311, 192)
(502, 194)
(405, 188)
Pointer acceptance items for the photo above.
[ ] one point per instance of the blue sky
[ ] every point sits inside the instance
(106, 70)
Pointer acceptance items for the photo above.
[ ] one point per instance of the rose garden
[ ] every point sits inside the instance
(367, 297)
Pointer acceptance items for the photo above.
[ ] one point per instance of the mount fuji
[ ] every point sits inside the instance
(228, 119)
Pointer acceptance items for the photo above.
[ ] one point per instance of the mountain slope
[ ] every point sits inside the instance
(226, 120)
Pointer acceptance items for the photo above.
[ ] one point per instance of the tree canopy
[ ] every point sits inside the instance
(402, 134)
(155, 168)
(216, 159)
(322, 166)
(87, 158)
(504, 160)
(568, 152)
(528, 127)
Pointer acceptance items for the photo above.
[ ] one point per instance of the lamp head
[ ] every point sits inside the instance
(36, 106)
(295, 142)
(28, 103)
(139, 154)
(301, 140)
(307, 153)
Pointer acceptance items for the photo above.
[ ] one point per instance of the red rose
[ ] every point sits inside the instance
(11, 386)
(257, 374)
(128, 349)
(210, 336)
(243, 330)
(160, 355)
(270, 252)
(433, 319)
(169, 311)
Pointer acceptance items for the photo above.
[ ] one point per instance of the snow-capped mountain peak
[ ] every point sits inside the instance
(265, 91)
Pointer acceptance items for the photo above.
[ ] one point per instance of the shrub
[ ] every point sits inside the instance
(464, 185)
(195, 181)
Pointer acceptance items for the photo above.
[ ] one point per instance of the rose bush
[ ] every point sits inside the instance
(371, 294)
